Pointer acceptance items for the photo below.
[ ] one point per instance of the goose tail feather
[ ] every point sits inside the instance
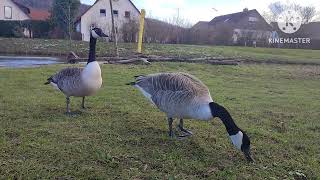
(49, 80)
(138, 77)
(131, 83)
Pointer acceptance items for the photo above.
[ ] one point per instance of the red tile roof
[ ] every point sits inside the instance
(39, 15)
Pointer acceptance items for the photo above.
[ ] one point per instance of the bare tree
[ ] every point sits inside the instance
(63, 14)
(129, 31)
(308, 13)
(170, 30)
(114, 35)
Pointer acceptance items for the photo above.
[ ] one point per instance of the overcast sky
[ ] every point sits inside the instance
(204, 10)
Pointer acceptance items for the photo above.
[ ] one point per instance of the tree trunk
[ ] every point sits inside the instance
(114, 33)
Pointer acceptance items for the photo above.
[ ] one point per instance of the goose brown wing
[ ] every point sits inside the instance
(67, 77)
(173, 82)
(167, 89)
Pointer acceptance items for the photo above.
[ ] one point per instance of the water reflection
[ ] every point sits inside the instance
(21, 62)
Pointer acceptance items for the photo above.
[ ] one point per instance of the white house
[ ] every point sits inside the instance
(99, 15)
(12, 11)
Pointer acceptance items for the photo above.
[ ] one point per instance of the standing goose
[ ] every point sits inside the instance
(181, 95)
(80, 82)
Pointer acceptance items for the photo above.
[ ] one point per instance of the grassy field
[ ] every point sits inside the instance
(62, 48)
(121, 135)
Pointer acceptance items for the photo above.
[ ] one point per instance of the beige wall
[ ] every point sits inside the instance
(17, 13)
(92, 16)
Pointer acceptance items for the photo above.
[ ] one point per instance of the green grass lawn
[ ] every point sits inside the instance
(54, 47)
(121, 135)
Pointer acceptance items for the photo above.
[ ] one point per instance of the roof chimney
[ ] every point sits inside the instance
(245, 10)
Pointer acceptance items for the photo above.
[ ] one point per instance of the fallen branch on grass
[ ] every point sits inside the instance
(147, 59)
(131, 61)
(208, 60)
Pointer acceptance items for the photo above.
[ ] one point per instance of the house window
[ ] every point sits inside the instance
(7, 12)
(115, 13)
(127, 14)
(103, 13)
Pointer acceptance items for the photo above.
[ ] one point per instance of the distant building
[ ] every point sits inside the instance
(99, 15)
(312, 30)
(202, 33)
(200, 25)
(12, 11)
(246, 27)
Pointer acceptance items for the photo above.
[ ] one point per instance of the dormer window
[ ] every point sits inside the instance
(7, 12)
(103, 13)
(127, 14)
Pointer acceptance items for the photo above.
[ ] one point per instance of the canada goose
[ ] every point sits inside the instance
(80, 82)
(181, 95)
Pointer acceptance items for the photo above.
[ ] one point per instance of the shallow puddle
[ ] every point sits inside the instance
(22, 62)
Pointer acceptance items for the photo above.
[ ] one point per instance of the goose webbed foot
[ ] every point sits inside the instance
(68, 105)
(171, 133)
(186, 132)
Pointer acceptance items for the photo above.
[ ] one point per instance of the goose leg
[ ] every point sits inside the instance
(170, 121)
(68, 104)
(82, 104)
(187, 132)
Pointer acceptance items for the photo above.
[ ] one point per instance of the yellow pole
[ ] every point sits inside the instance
(143, 14)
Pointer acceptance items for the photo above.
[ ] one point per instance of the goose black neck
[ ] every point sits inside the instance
(220, 112)
(92, 51)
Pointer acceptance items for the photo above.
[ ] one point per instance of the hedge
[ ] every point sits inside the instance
(40, 29)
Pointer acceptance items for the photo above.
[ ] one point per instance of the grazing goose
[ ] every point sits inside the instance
(80, 82)
(181, 95)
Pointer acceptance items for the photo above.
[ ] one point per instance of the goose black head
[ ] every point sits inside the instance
(245, 147)
(238, 137)
(97, 32)
(242, 142)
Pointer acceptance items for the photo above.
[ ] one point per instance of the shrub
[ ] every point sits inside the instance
(40, 29)
(11, 29)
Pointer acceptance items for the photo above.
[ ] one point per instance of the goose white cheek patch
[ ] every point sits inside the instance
(94, 34)
(237, 139)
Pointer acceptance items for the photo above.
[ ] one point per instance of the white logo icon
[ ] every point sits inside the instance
(289, 21)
